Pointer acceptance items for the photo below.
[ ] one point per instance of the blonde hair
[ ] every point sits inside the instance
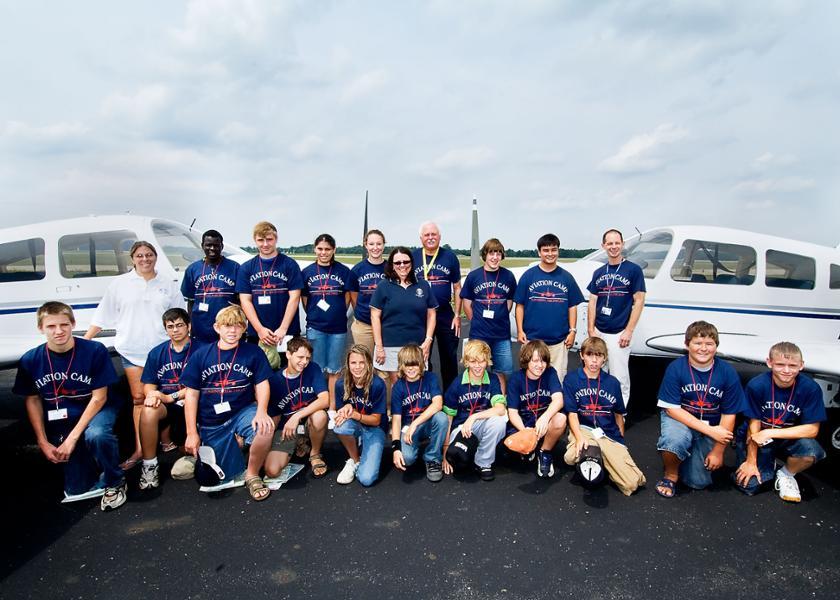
(477, 350)
(411, 353)
(263, 229)
(785, 350)
(231, 315)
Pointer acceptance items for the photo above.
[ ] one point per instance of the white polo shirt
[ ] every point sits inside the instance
(133, 307)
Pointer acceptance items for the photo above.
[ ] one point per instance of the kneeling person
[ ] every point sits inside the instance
(65, 382)
(785, 409)
(596, 417)
(299, 402)
(416, 403)
(227, 394)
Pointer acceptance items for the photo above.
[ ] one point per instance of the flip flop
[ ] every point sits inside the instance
(168, 447)
(130, 463)
(669, 485)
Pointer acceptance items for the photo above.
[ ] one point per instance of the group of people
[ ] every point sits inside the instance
(220, 363)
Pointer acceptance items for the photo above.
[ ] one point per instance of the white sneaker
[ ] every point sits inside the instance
(149, 476)
(787, 487)
(113, 498)
(348, 473)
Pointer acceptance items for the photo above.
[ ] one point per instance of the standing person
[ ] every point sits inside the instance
(416, 403)
(440, 267)
(402, 311)
(132, 306)
(366, 276)
(616, 300)
(596, 417)
(163, 408)
(487, 297)
(535, 399)
(65, 382)
(546, 304)
(361, 417)
(209, 285)
(700, 397)
(785, 409)
(299, 403)
(475, 406)
(226, 397)
(269, 288)
(326, 296)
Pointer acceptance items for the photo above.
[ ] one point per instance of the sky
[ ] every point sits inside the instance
(562, 116)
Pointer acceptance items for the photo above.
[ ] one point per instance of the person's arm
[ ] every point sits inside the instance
(496, 410)
(262, 423)
(795, 432)
(354, 299)
(291, 313)
(619, 421)
(434, 407)
(467, 304)
(520, 328)
(35, 412)
(376, 326)
(553, 408)
(92, 332)
(718, 433)
(154, 397)
(396, 426)
(515, 419)
(456, 321)
(431, 320)
(749, 468)
(447, 468)
(591, 310)
(570, 339)
(581, 442)
(636, 312)
(190, 420)
(97, 400)
(265, 334)
(321, 402)
(714, 459)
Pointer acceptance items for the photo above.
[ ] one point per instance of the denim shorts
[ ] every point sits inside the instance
(767, 456)
(221, 438)
(127, 364)
(327, 349)
(502, 356)
(690, 446)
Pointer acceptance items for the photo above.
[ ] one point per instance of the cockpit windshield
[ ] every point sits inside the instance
(648, 251)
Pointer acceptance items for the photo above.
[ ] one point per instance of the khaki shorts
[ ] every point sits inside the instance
(619, 464)
(278, 444)
(559, 358)
(362, 334)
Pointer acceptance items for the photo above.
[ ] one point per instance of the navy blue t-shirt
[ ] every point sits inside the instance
(409, 399)
(366, 277)
(403, 311)
(704, 394)
(164, 365)
(596, 401)
(547, 299)
(531, 397)
(65, 380)
(214, 286)
(376, 403)
(615, 286)
(289, 395)
(463, 398)
(271, 278)
(225, 376)
(443, 272)
(329, 284)
(775, 407)
(489, 290)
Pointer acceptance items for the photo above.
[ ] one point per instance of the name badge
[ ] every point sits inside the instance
(179, 402)
(487, 313)
(263, 299)
(606, 311)
(323, 305)
(203, 307)
(221, 407)
(597, 433)
(767, 441)
(301, 429)
(57, 414)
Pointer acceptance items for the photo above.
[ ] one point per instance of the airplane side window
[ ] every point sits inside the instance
(649, 253)
(793, 271)
(22, 260)
(702, 261)
(181, 245)
(834, 278)
(97, 254)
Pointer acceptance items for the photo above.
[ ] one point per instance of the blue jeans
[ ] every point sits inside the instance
(433, 430)
(767, 455)
(221, 438)
(98, 451)
(690, 446)
(372, 439)
(327, 349)
(502, 356)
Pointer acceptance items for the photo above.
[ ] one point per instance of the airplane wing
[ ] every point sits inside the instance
(821, 358)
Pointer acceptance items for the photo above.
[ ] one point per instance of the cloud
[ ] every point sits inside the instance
(307, 147)
(782, 185)
(141, 105)
(769, 160)
(645, 152)
(457, 160)
(18, 136)
(235, 133)
(364, 85)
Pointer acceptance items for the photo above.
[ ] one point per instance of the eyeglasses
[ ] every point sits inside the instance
(400, 263)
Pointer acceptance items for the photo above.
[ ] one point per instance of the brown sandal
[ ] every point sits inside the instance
(318, 466)
(256, 486)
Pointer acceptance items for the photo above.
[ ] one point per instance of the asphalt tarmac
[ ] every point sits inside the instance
(515, 537)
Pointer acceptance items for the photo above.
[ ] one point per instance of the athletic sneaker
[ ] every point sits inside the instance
(787, 487)
(486, 473)
(149, 477)
(348, 473)
(433, 471)
(113, 498)
(545, 466)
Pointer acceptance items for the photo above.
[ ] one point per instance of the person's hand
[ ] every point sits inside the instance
(521, 337)
(720, 434)
(456, 326)
(466, 428)
(762, 437)
(48, 450)
(409, 432)
(279, 334)
(447, 468)
(541, 425)
(581, 445)
(714, 459)
(63, 452)
(570, 340)
(343, 414)
(262, 424)
(747, 471)
(153, 400)
(625, 338)
(379, 355)
(290, 428)
(267, 336)
(399, 462)
(426, 347)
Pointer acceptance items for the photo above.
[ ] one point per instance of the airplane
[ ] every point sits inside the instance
(756, 289)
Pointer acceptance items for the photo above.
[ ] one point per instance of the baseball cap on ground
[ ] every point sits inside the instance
(461, 452)
(207, 472)
(590, 467)
(184, 468)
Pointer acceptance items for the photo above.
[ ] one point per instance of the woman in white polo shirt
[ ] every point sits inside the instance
(132, 307)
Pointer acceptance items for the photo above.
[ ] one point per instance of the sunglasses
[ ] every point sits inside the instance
(400, 263)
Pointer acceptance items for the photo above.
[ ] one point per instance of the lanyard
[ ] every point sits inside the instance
(701, 401)
(204, 285)
(473, 405)
(534, 408)
(593, 401)
(323, 286)
(773, 423)
(427, 268)
(491, 295)
(183, 364)
(266, 280)
(355, 400)
(224, 381)
(414, 407)
(295, 406)
(58, 388)
(612, 281)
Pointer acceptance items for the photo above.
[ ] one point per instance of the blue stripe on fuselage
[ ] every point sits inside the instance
(747, 311)
(34, 309)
